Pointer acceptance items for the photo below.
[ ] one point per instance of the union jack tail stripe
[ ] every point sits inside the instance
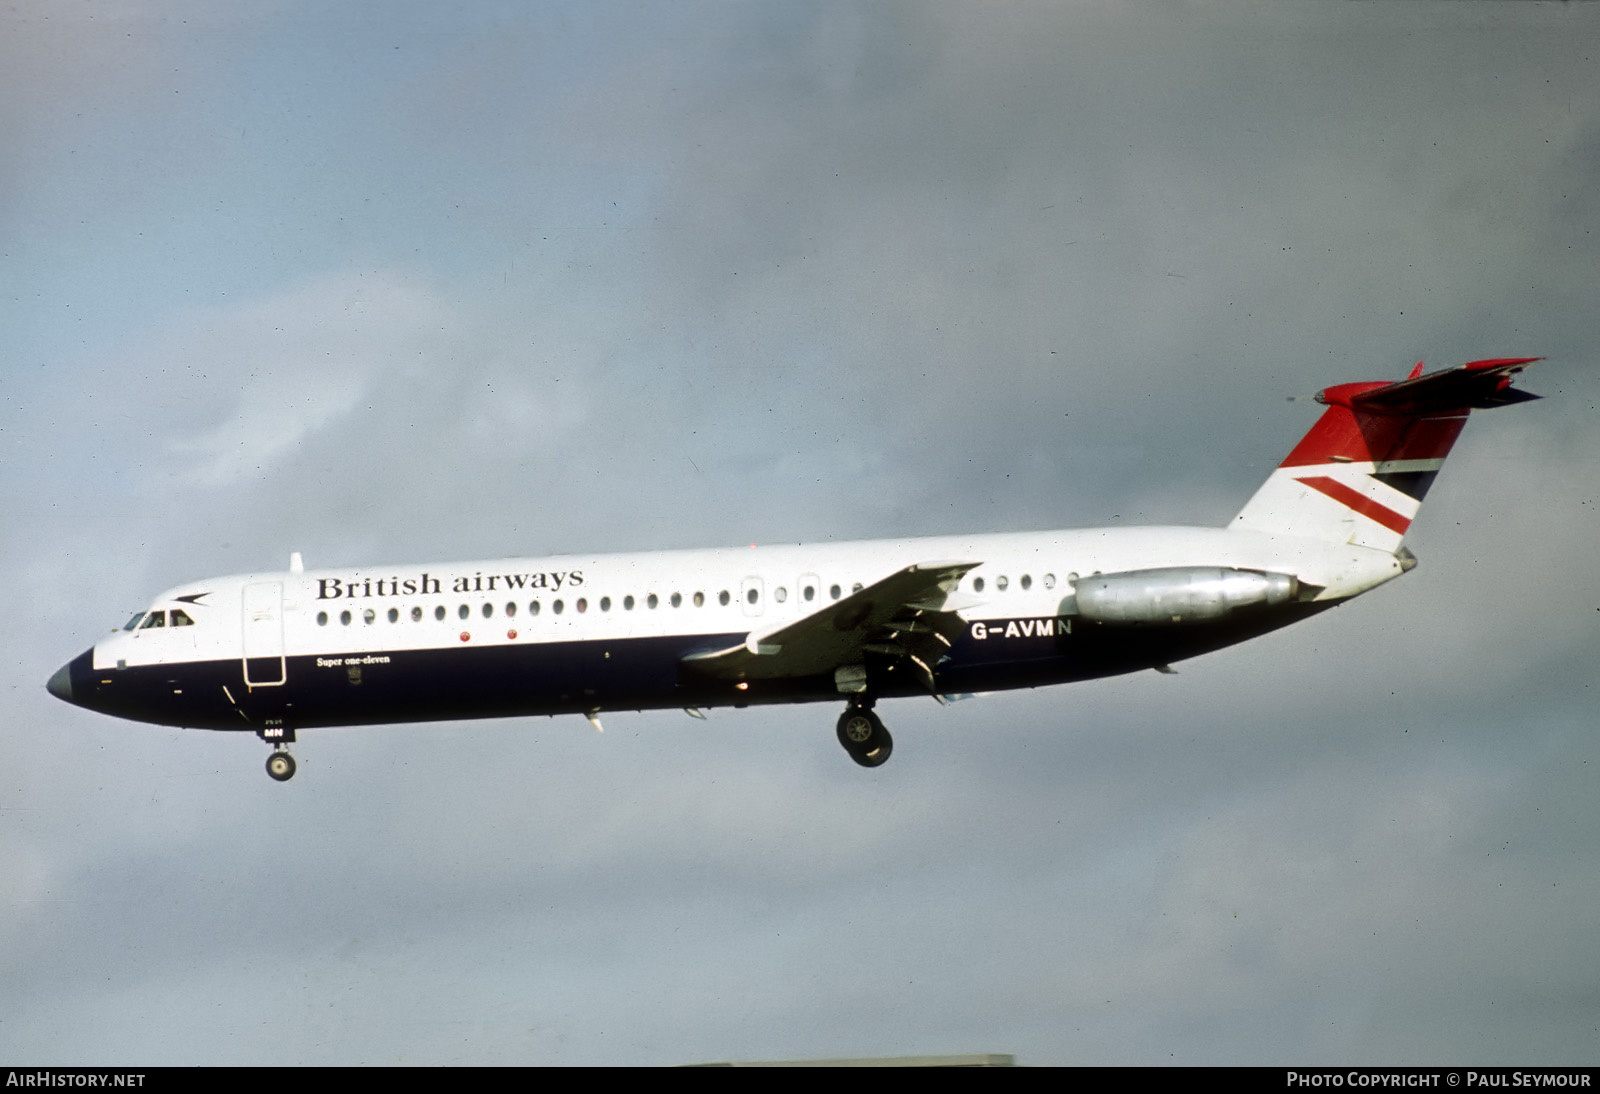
(1360, 474)
(1354, 499)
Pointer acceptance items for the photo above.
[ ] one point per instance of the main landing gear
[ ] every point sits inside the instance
(862, 734)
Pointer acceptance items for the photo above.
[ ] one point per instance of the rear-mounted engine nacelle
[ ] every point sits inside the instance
(1191, 594)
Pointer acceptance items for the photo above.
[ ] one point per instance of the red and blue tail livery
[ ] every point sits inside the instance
(278, 653)
(1361, 473)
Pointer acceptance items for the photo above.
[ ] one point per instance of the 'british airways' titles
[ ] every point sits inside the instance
(356, 588)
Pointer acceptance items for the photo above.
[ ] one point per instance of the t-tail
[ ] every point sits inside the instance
(1361, 473)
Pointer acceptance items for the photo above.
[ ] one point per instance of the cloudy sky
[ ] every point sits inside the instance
(412, 282)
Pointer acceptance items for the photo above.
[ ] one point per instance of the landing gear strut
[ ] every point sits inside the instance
(280, 765)
(862, 734)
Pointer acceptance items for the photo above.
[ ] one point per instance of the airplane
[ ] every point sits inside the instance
(275, 653)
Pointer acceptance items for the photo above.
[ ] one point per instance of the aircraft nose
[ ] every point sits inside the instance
(60, 684)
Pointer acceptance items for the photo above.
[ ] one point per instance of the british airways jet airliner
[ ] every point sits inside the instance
(949, 616)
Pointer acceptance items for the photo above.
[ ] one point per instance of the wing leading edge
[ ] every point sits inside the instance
(910, 614)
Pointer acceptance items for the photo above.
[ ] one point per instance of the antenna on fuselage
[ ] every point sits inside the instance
(297, 565)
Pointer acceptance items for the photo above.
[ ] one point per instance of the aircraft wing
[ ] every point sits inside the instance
(908, 614)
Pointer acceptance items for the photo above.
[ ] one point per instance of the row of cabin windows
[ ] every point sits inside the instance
(752, 597)
(146, 620)
(1025, 582)
(177, 617)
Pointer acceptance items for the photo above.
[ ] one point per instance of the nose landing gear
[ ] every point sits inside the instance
(280, 765)
(863, 735)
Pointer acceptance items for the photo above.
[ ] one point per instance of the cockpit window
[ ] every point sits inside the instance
(133, 623)
(180, 618)
(154, 619)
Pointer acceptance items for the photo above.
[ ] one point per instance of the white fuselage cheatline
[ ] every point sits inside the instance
(698, 592)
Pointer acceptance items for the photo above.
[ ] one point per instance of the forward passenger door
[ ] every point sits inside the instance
(263, 634)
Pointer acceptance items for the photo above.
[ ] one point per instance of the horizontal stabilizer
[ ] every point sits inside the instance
(1477, 384)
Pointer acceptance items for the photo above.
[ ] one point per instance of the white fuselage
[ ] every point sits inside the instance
(690, 593)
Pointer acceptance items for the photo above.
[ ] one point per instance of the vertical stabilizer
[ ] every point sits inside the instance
(1360, 474)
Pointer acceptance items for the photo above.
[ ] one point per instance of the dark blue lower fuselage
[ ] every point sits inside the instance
(430, 684)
